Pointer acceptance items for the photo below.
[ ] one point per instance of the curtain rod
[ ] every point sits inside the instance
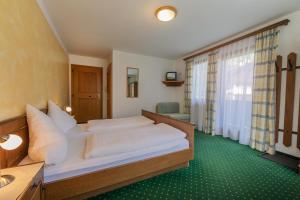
(280, 23)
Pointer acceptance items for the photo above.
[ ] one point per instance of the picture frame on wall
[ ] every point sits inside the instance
(171, 76)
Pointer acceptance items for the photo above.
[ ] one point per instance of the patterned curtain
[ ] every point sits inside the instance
(263, 103)
(211, 93)
(188, 86)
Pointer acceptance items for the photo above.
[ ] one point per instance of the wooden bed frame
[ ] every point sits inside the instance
(91, 184)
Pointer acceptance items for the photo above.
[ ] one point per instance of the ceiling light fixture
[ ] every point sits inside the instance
(166, 13)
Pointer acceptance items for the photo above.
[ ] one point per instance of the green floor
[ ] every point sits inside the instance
(222, 169)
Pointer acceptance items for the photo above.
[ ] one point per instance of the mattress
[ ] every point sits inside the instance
(76, 165)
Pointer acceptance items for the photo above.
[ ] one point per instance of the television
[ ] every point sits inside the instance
(171, 76)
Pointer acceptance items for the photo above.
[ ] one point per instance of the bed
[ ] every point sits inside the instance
(78, 179)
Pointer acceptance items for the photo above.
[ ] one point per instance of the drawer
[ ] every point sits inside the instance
(37, 195)
(33, 191)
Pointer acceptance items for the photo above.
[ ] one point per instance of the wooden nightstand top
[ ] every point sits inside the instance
(24, 176)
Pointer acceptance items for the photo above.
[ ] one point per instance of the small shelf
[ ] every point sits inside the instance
(173, 83)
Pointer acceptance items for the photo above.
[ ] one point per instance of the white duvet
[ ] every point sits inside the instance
(129, 140)
(106, 125)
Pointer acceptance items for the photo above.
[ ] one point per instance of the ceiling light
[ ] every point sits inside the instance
(166, 13)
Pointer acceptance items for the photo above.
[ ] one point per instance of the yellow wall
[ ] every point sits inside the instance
(33, 67)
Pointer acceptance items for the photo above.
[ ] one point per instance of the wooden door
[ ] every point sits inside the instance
(86, 93)
(109, 91)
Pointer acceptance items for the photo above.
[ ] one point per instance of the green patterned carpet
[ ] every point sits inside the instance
(222, 169)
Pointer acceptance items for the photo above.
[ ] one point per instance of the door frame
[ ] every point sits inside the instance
(72, 83)
(109, 88)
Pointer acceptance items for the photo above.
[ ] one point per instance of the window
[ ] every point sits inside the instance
(198, 95)
(234, 90)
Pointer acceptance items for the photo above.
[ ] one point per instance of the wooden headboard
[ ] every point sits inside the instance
(17, 125)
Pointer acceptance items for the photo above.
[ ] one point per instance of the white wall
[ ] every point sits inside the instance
(152, 71)
(93, 62)
(289, 41)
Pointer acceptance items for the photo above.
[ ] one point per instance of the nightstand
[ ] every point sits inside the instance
(27, 184)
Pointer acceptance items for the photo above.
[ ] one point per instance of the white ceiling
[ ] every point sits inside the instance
(95, 27)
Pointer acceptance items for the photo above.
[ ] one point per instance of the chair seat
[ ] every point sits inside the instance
(179, 116)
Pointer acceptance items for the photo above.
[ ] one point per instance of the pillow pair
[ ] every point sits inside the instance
(47, 140)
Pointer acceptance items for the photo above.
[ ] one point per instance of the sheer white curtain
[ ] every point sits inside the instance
(198, 90)
(234, 90)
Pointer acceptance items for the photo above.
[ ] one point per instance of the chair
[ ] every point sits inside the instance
(171, 109)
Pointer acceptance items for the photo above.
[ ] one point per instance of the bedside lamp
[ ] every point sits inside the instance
(68, 109)
(9, 142)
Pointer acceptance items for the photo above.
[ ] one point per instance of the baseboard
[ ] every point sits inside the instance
(283, 159)
(288, 155)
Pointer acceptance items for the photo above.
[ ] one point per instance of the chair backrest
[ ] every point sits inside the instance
(167, 107)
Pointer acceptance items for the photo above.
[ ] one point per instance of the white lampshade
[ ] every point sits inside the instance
(68, 109)
(166, 13)
(11, 142)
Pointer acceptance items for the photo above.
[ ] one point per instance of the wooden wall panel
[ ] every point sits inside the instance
(278, 93)
(289, 99)
(298, 135)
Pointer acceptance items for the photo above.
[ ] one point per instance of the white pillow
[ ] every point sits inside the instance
(62, 119)
(46, 142)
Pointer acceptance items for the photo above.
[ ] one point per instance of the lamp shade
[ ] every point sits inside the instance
(68, 109)
(11, 142)
(166, 13)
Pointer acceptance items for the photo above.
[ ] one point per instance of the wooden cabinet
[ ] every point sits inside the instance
(37, 195)
(27, 185)
(34, 189)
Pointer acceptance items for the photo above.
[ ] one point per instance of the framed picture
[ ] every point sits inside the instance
(171, 76)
